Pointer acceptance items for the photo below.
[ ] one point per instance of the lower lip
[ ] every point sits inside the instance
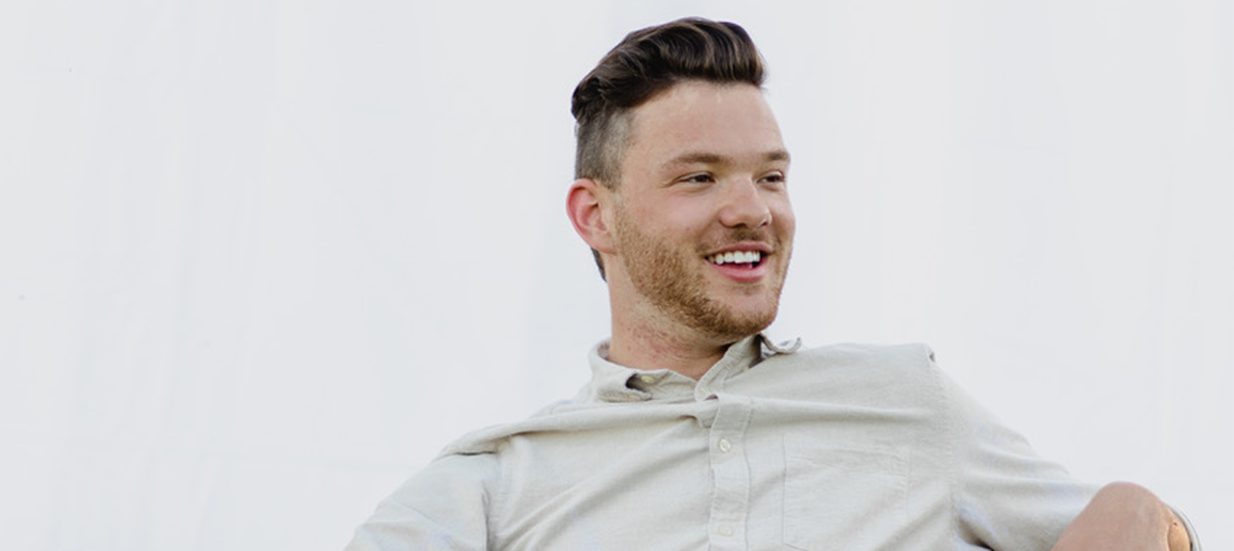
(742, 274)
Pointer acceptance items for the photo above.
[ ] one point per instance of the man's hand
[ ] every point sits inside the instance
(1125, 516)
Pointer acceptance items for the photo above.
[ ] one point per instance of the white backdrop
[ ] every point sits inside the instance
(260, 260)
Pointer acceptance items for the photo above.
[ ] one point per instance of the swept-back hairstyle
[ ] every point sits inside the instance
(645, 63)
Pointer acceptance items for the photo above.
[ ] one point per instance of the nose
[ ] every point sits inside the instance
(744, 205)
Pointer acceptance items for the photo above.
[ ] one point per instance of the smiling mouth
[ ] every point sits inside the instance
(737, 259)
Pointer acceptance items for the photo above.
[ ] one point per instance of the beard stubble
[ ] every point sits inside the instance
(669, 280)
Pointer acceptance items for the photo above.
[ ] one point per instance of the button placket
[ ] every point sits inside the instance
(731, 475)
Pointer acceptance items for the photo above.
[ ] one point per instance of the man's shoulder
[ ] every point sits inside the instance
(907, 352)
(862, 357)
(559, 417)
(861, 372)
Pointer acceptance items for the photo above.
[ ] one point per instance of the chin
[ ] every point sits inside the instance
(757, 306)
(738, 323)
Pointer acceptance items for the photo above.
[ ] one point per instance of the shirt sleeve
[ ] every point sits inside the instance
(1005, 496)
(442, 508)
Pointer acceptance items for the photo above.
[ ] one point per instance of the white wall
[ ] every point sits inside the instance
(259, 261)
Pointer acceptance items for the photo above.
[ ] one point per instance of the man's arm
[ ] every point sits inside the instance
(1126, 517)
(1007, 497)
(443, 508)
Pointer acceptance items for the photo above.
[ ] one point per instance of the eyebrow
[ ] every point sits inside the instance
(703, 157)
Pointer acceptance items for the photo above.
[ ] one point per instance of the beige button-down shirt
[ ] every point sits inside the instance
(843, 447)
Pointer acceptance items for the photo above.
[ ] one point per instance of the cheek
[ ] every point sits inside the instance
(681, 220)
(784, 218)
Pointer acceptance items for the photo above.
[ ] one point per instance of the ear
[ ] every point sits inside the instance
(586, 207)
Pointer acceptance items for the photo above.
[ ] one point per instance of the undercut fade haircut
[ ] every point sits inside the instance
(645, 63)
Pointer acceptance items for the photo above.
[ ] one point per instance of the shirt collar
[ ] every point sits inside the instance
(611, 382)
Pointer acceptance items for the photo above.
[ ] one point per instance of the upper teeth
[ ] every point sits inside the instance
(736, 257)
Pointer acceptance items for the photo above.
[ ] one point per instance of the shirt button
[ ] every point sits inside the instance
(647, 379)
(725, 530)
(724, 445)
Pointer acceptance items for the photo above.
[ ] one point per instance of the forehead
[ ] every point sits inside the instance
(732, 121)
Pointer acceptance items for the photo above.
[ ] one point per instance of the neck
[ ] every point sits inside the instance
(652, 346)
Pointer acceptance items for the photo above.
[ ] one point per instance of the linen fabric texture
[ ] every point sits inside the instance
(841, 447)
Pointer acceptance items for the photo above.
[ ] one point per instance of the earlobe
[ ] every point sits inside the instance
(585, 206)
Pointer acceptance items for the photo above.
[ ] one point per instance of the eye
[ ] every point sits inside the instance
(774, 178)
(700, 178)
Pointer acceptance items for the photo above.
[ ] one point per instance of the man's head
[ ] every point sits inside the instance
(681, 181)
(645, 63)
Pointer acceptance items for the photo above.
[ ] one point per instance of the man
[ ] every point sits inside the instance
(698, 432)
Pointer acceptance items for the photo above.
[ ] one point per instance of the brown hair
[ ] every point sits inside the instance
(646, 62)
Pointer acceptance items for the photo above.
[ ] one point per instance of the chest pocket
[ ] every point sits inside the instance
(843, 498)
